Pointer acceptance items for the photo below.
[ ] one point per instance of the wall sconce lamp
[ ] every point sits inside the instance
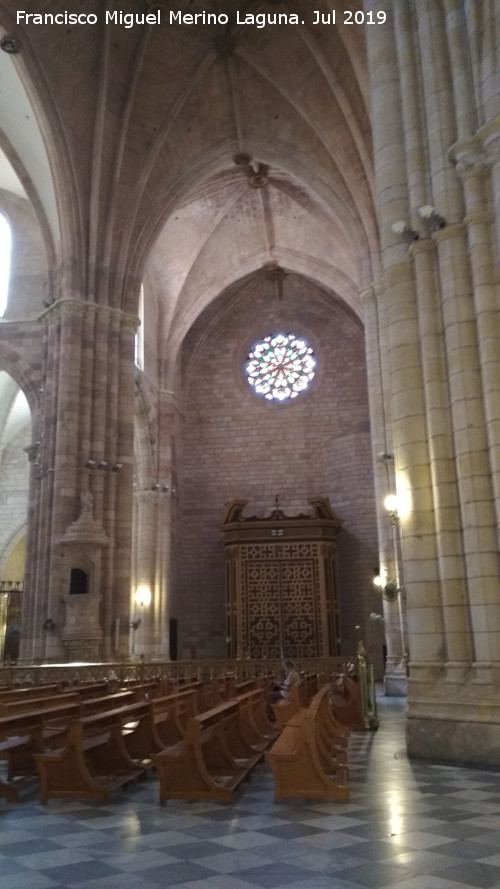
(391, 505)
(433, 219)
(48, 624)
(142, 596)
(384, 457)
(405, 231)
(11, 45)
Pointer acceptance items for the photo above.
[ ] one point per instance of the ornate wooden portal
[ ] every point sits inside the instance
(280, 582)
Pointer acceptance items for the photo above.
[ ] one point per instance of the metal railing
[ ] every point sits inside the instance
(68, 675)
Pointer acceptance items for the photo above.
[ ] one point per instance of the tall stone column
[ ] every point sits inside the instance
(449, 549)
(406, 381)
(446, 523)
(461, 340)
(155, 501)
(151, 537)
(450, 555)
(378, 372)
(86, 448)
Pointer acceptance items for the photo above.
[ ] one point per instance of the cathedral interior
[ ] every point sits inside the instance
(185, 209)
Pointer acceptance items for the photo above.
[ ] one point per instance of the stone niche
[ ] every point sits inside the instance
(81, 556)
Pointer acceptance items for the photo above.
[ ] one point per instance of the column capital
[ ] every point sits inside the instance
(490, 138)
(454, 230)
(469, 157)
(147, 495)
(423, 245)
(74, 307)
(373, 291)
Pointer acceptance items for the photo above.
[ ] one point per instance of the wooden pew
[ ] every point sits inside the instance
(172, 714)
(94, 760)
(309, 688)
(285, 708)
(30, 692)
(255, 726)
(21, 736)
(94, 689)
(202, 765)
(306, 763)
(160, 723)
(346, 701)
(168, 716)
(235, 688)
(10, 708)
(38, 729)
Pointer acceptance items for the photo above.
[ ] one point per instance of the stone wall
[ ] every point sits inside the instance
(14, 484)
(235, 444)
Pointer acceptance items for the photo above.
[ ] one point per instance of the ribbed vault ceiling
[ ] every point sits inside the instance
(145, 131)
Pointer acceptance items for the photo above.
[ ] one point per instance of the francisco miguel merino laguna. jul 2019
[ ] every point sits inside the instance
(177, 17)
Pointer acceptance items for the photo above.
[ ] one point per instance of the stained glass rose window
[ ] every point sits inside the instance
(280, 366)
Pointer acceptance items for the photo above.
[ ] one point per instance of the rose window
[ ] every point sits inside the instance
(280, 366)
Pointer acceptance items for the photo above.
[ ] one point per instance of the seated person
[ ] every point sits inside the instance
(281, 690)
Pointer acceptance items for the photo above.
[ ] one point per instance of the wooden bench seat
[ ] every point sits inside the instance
(234, 688)
(202, 765)
(305, 762)
(24, 734)
(38, 730)
(9, 708)
(29, 692)
(257, 730)
(93, 761)
(285, 708)
(346, 702)
(9, 788)
(172, 714)
(158, 723)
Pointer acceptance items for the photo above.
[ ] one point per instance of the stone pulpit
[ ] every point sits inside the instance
(81, 548)
(281, 582)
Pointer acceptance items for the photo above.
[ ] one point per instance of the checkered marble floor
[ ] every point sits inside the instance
(410, 825)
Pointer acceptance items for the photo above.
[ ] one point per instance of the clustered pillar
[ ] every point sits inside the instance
(437, 169)
(85, 431)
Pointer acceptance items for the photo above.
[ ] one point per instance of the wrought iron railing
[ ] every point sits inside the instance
(142, 671)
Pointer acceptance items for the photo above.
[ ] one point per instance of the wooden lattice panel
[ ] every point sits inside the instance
(281, 614)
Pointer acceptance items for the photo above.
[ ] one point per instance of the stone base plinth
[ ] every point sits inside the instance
(460, 742)
(83, 648)
(395, 684)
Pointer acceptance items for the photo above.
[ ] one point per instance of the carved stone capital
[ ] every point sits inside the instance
(71, 307)
(148, 496)
(455, 230)
(423, 245)
(469, 157)
(490, 137)
(372, 292)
